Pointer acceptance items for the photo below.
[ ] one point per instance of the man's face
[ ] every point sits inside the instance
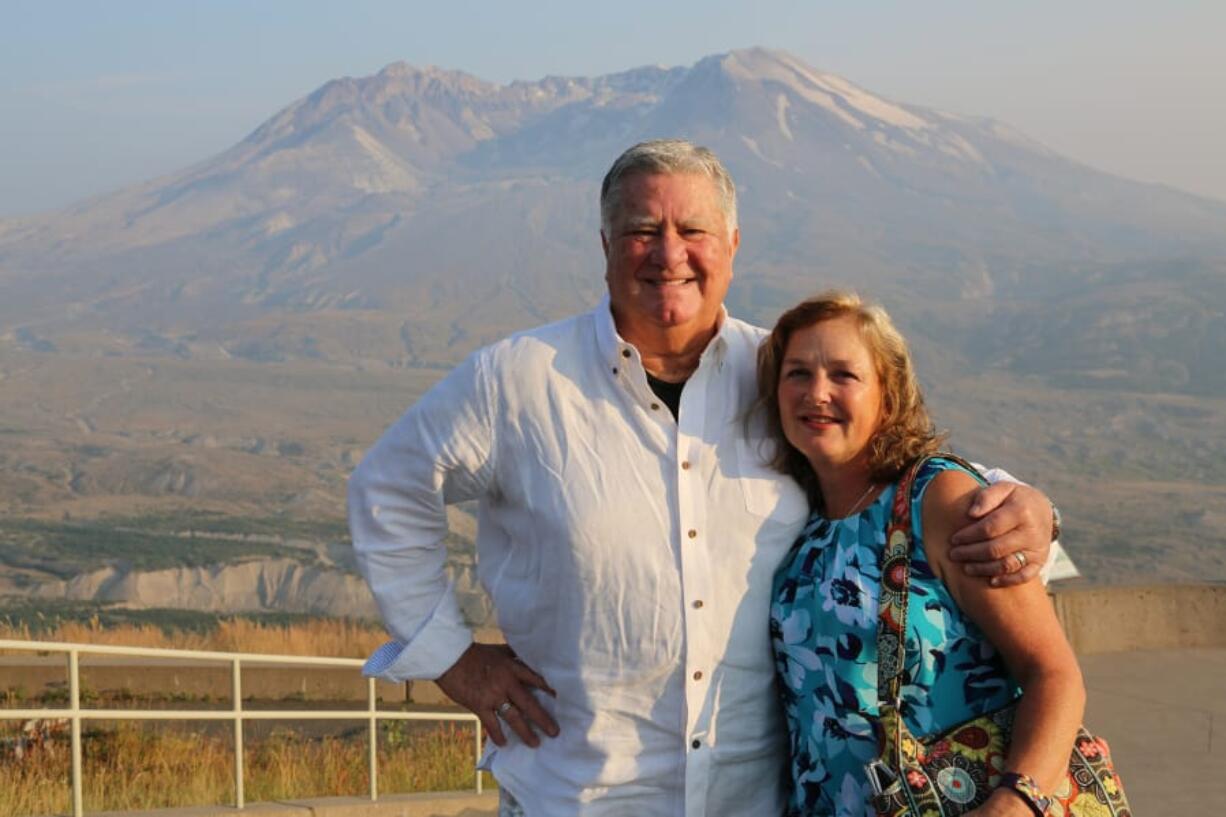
(669, 255)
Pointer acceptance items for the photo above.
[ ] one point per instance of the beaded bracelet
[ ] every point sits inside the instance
(1023, 786)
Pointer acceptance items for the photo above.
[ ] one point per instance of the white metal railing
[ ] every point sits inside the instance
(74, 713)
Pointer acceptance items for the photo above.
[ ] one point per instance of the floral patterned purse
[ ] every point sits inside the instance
(954, 772)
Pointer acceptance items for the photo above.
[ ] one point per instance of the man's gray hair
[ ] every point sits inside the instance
(665, 156)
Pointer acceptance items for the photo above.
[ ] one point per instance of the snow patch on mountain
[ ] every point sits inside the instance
(752, 144)
(387, 173)
(866, 103)
(831, 93)
(277, 223)
(954, 145)
(884, 140)
(781, 116)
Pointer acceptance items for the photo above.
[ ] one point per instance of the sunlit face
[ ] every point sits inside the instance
(830, 394)
(669, 255)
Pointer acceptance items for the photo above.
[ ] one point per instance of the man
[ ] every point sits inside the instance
(628, 528)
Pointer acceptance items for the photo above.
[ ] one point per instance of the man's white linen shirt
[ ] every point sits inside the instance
(629, 558)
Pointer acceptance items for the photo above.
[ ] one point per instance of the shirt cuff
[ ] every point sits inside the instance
(431, 653)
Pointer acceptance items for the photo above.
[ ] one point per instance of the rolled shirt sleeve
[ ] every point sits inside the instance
(439, 452)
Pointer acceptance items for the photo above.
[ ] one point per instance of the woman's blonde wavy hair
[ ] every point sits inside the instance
(906, 431)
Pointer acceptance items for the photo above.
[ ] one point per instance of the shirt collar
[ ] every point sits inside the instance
(616, 351)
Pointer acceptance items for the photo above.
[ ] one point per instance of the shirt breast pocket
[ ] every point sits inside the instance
(767, 493)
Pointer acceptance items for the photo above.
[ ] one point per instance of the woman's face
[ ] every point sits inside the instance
(829, 394)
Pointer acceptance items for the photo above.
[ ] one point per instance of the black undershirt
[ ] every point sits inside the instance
(669, 393)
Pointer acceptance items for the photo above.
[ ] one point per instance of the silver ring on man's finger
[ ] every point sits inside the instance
(504, 708)
(1021, 559)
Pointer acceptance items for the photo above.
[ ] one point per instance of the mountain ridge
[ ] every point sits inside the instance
(306, 212)
(231, 335)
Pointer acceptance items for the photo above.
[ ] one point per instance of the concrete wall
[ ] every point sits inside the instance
(1162, 616)
(1097, 620)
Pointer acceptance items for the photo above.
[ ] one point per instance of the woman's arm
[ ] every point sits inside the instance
(1021, 623)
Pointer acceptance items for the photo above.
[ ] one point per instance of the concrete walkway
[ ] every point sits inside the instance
(1164, 714)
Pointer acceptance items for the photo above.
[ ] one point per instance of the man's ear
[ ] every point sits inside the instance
(735, 239)
(604, 244)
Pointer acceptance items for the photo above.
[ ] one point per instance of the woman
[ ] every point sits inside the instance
(837, 382)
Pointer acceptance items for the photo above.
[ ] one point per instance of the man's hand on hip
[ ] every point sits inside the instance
(494, 684)
(1011, 538)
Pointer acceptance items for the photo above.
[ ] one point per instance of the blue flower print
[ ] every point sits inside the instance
(824, 633)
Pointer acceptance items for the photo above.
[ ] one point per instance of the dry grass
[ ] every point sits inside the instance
(338, 638)
(131, 766)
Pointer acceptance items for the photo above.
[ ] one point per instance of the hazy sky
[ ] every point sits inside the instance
(98, 95)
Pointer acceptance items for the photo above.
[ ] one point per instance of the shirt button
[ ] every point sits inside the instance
(697, 604)
(693, 534)
(614, 370)
(685, 466)
(697, 675)
(655, 406)
(625, 353)
(695, 744)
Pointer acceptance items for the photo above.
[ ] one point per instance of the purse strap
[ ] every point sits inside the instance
(895, 588)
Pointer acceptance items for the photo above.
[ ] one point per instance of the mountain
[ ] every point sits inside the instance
(231, 336)
(444, 202)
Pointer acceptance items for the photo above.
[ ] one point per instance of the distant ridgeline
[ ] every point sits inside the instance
(207, 564)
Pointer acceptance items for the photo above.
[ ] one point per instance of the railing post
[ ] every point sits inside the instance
(374, 738)
(236, 686)
(74, 709)
(477, 724)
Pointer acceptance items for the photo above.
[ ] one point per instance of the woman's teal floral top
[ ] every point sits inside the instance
(824, 631)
